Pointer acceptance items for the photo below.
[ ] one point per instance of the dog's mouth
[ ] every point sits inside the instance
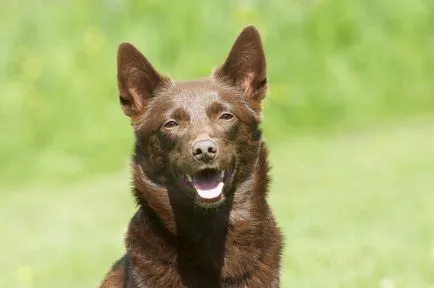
(208, 184)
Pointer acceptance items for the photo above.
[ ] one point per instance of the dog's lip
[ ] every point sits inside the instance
(224, 174)
(189, 177)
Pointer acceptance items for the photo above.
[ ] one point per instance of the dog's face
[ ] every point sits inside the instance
(198, 136)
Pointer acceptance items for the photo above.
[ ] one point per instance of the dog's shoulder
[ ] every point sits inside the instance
(117, 277)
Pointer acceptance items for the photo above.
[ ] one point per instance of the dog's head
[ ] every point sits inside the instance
(202, 136)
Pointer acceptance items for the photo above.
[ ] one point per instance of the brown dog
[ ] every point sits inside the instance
(199, 176)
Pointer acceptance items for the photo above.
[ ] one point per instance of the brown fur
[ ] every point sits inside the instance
(173, 240)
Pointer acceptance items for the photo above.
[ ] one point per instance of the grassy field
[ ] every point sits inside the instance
(354, 197)
(330, 64)
(355, 208)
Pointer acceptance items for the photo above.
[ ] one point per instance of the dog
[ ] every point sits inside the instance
(199, 176)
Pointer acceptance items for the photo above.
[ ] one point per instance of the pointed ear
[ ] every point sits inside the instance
(137, 79)
(245, 66)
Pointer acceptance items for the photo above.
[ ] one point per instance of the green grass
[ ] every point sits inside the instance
(355, 208)
(330, 64)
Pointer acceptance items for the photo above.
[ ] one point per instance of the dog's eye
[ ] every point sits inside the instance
(226, 116)
(170, 124)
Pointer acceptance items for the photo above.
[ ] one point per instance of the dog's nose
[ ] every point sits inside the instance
(204, 150)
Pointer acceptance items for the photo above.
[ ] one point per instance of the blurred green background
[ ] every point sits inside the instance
(349, 118)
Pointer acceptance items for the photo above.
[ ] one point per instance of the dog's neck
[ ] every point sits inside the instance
(197, 240)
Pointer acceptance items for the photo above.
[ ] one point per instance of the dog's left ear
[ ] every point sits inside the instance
(137, 80)
(245, 67)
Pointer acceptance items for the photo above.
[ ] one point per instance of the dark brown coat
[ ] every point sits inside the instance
(176, 239)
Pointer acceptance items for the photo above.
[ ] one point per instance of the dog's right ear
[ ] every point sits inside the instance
(245, 67)
(137, 79)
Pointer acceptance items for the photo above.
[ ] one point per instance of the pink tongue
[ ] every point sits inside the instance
(209, 186)
(210, 193)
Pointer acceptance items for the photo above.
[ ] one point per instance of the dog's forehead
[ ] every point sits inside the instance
(196, 96)
(196, 90)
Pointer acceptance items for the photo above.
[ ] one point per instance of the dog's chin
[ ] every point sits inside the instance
(208, 185)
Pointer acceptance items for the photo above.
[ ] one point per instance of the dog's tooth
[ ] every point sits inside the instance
(189, 178)
(222, 174)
